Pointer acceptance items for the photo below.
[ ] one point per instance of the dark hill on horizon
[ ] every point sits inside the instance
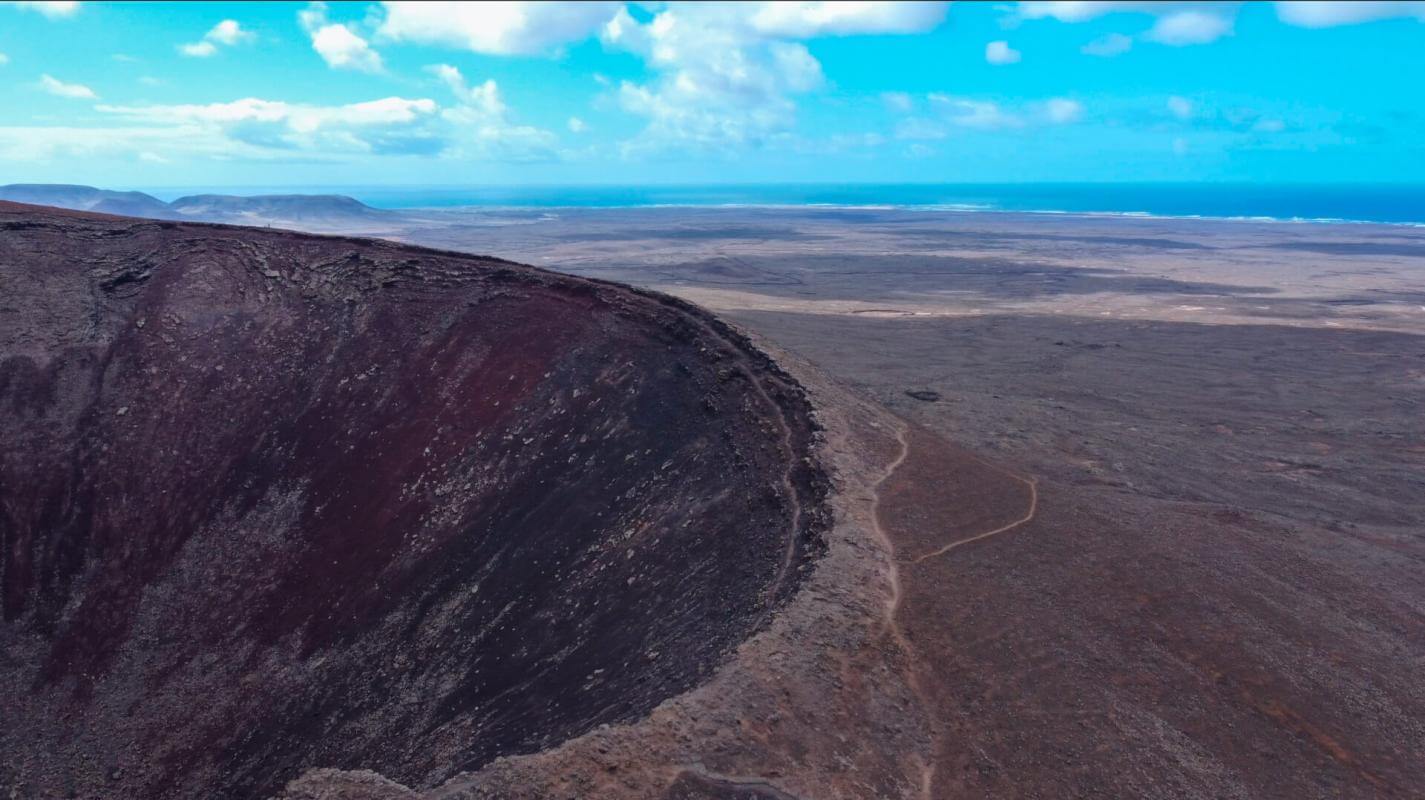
(88, 198)
(294, 207)
(303, 209)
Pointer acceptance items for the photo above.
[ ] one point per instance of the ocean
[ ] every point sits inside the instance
(1386, 203)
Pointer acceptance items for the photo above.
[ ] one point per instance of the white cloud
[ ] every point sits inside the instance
(1113, 44)
(342, 49)
(1189, 27)
(1061, 110)
(299, 117)
(915, 128)
(1327, 13)
(1176, 23)
(337, 44)
(53, 10)
(986, 115)
(29, 144)
(198, 49)
(577, 125)
(805, 20)
(726, 73)
(897, 101)
(481, 126)
(391, 125)
(721, 83)
(968, 113)
(228, 32)
(1081, 11)
(494, 28)
(1001, 53)
(59, 88)
(1223, 120)
(484, 98)
(225, 33)
(475, 127)
(723, 74)
(4, 59)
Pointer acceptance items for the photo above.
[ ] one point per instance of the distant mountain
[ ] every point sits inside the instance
(87, 198)
(317, 210)
(294, 207)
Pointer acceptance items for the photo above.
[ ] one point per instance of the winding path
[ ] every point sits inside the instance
(1033, 508)
(890, 625)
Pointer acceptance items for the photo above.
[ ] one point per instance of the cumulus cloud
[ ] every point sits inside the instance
(53, 10)
(299, 117)
(39, 144)
(337, 44)
(1175, 23)
(916, 128)
(806, 20)
(391, 125)
(475, 126)
(726, 74)
(226, 33)
(900, 102)
(1062, 111)
(1114, 44)
(1326, 13)
(342, 49)
(951, 112)
(200, 49)
(577, 125)
(1001, 53)
(1189, 27)
(967, 113)
(484, 98)
(723, 74)
(58, 88)
(1081, 10)
(1237, 120)
(494, 28)
(480, 123)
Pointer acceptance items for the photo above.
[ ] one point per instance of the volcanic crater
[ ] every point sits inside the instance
(272, 501)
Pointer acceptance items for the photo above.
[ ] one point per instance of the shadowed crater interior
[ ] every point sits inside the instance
(271, 501)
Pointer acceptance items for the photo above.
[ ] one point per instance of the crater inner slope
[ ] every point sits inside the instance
(271, 501)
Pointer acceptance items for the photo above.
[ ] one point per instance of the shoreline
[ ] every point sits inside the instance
(940, 209)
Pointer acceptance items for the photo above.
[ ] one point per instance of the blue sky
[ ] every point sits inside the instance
(236, 94)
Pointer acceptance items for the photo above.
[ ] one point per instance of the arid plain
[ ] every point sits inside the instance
(1193, 450)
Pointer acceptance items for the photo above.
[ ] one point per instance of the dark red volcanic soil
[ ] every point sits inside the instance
(271, 501)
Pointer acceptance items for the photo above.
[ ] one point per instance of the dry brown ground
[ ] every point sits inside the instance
(1216, 427)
